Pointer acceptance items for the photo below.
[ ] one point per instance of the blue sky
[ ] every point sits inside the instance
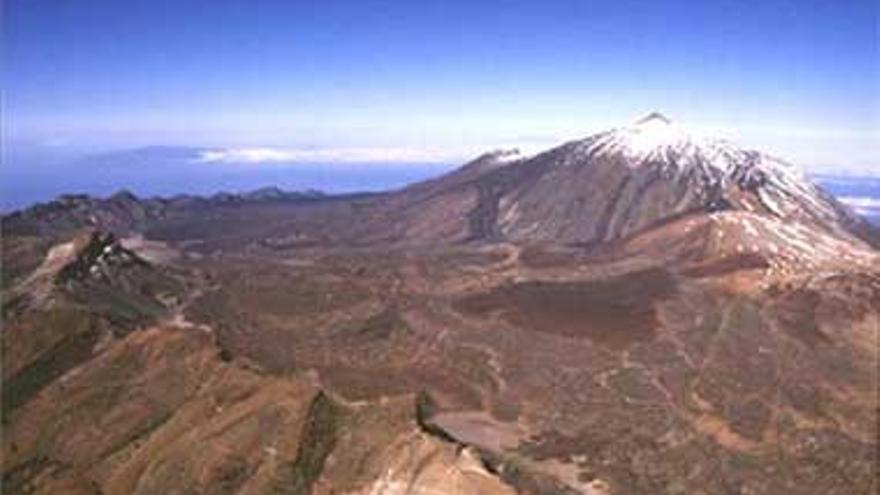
(798, 78)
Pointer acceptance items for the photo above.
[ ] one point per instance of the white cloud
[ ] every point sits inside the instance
(862, 204)
(861, 201)
(327, 155)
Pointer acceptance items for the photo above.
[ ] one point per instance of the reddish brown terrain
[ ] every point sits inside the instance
(602, 318)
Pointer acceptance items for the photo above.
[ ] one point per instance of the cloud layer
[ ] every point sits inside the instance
(863, 205)
(327, 155)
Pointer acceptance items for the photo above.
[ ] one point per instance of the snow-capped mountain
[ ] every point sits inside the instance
(618, 183)
(654, 145)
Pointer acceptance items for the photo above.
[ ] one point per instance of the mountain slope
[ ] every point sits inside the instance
(86, 292)
(617, 183)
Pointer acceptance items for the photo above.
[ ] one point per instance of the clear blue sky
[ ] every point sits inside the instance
(796, 77)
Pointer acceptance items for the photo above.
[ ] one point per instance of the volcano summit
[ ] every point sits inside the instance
(617, 184)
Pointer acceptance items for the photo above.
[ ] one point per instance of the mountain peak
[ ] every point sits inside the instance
(651, 138)
(626, 179)
(654, 118)
(96, 255)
